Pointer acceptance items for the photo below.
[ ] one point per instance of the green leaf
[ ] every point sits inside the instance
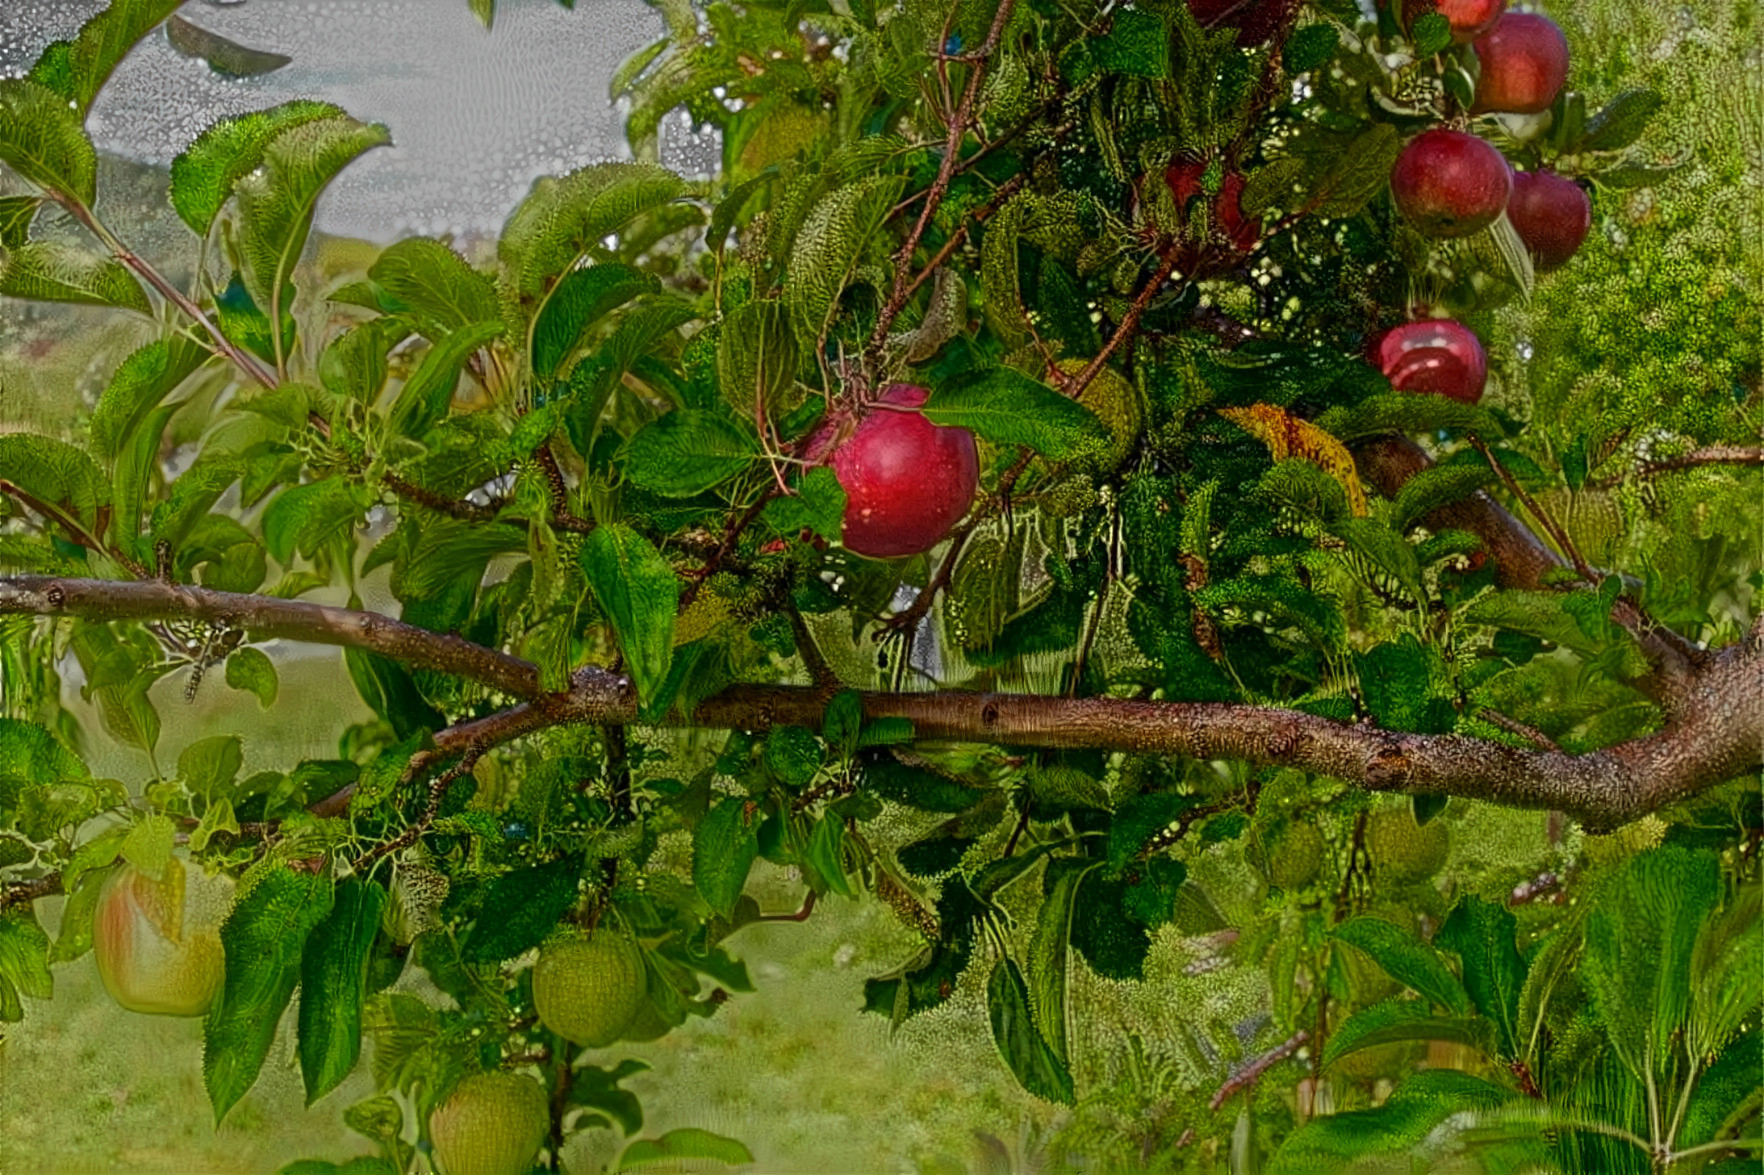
(1037, 1067)
(204, 175)
(29, 752)
(826, 855)
(686, 1143)
(451, 552)
(304, 518)
(263, 939)
(136, 388)
(1396, 1020)
(1137, 44)
(436, 284)
(1641, 933)
(16, 214)
(688, 451)
(565, 217)
(428, 393)
(276, 201)
(49, 271)
(1481, 935)
(1048, 956)
(246, 325)
(598, 1089)
(42, 138)
(638, 591)
(1404, 1134)
(818, 505)
(77, 69)
(24, 954)
(1350, 178)
(522, 907)
(723, 850)
(1407, 960)
(843, 721)
(1312, 46)
(1431, 34)
(251, 669)
(1436, 486)
(354, 365)
(56, 474)
(581, 299)
(756, 357)
(333, 980)
(1621, 121)
(830, 248)
(1402, 412)
(1724, 968)
(1009, 408)
(226, 57)
(210, 764)
(74, 938)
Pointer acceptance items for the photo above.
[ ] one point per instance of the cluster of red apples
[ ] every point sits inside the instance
(1450, 183)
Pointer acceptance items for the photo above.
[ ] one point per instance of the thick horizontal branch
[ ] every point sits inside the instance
(1716, 735)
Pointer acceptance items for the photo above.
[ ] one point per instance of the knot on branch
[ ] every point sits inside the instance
(55, 595)
(1388, 768)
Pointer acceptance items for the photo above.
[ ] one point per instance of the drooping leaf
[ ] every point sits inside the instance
(564, 217)
(303, 518)
(756, 357)
(1037, 1067)
(41, 138)
(24, 955)
(251, 669)
(263, 939)
(688, 451)
(1009, 408)
(638, 591)
(139, 384)
(50, 271)
(1048, 960)
(723, 850)
(1348, 179)
(580, 300)
(818, 505)
(1621, 121)
(1434, 487)
(77, 69)
(276, 200)
(1397, 1020)
(1481, 934)
(428, 393)
(1406, 959)
(55, 474)
(436, 284)
(204, 175)
(16, 214)
(333, 978)
(830, 248)
(1290, 436)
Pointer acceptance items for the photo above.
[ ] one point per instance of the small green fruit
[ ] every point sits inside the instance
(157, 940)
(587, 989)
(492, 1124)
(1402, 851)
(1290, 855)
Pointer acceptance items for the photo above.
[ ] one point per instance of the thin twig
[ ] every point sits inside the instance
(1246, 1077)
(1537, 512)
(800, 915)
(1713, 455)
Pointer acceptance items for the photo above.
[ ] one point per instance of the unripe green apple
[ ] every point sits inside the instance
(588, 988)
(157, 940)
(492, 1124)
(1403, 851)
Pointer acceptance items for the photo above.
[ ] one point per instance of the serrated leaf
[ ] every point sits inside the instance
(1009, 408)
(333, 985)
(1037, 1067)
(451, 552)
(1048, 960)
(829, 250)
(1273, 186)
(50, 271)
(1407, 960)
(1621, 121)
(1436, 486)
(639, 593)
(41, 138)
(429, 279)
(263, 939)
(1352, 177)
(138, 385)
(303, 518)
(818, 505)
(685, 1143)
(16, 214)
(579, 300)
(723, 850)
(77, 69)
(522, 907)
(277, 199)
(251, 669)
(1398, 1020)
(1401, 412)
(1430, 34)
(1311, 46)
(428, 393)
(24, 955)
(56, 474)
(204, 175)
(566, 216)
(688, 451)
(756, 357)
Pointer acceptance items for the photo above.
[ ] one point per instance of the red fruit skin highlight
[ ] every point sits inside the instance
(1450, 184)
(1438, 356)
(907, 481)
(1551, 215)
(1524, 64)
(1469, 18)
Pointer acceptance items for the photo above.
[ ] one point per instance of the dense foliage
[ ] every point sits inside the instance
(1222, 587)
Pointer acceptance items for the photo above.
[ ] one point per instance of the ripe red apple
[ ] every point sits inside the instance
(1551, 215)
(1524, 63)
(1256, 21)
(907, 481)
(1469, 18)
(1438, 356)
(1227, 218)
(157, 939)
(1450, 184)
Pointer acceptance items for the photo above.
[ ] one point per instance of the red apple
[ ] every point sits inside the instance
(1551, 215)
(157, 939)
(1226, 219)
(1469, 18)
(1450, 184)
(1524, 63)
(907, 481)
(1256, 21)
(1438, 356)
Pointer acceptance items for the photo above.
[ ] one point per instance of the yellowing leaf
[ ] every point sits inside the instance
(1287, 436)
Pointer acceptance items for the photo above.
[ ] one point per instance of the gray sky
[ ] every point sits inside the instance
(475, 116)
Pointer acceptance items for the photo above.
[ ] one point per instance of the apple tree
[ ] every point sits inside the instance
(1099, 480)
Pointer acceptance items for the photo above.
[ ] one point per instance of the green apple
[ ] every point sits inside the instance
(157, 939)
(492, 1124)
(587, 988)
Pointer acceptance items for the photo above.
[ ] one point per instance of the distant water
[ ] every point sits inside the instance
(475, 116)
